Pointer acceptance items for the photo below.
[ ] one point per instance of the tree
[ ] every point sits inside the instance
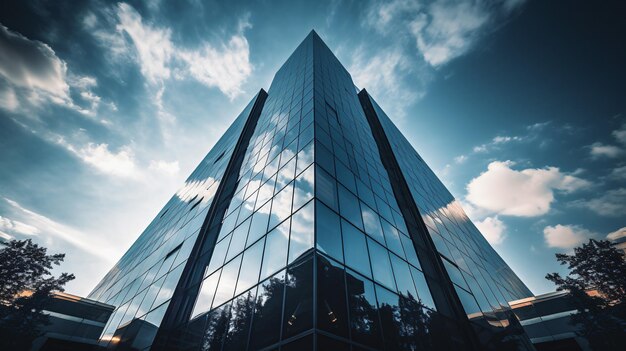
(26, 285)
(597, 267)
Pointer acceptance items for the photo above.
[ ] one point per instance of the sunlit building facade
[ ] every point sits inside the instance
(312, 224)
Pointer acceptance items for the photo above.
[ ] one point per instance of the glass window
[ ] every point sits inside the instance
(281, 205)
(326, 343)
(349, 207)
(371, 223)
(267, 314)
(305, 343)
(355, 248)
(276, 246)
(298, 315)
(250, 266)
(219, 254)
(328, 232)
(402, 273)
(304, 188)
(169, 285)
(455, 274)
(391, 323)
(241, 309)
(305, 158)
(258, 226)
(409, 250)
(217, 323)
(326, 189)
(423, 291)
(324, 158)
(332, 315)
(206, 294)
(392, 236)
(345, 177)
(238, 241)
(146, 304)
(467, 300)
(364, 323)
(301, 238)
(381, 266)
(228, 279)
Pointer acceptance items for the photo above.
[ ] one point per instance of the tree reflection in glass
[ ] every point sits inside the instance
(267, 311)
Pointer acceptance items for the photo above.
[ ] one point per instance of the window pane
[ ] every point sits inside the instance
(392, 236)
(216, 326)
(251, 264)
(326, 189)
(364, 323)
(276, 246)
(371, 223)
(240, 318)
(422, 289)
(169, 285)
(268, 310)
(391, 323)
(206, 294)
(258, 226)
(332, 313)
(467, 300)
(328, 232)
(402, 273)
(381, 266)
(298, 315)
(238, 241)
(219, 254)
(301, 238)
(409, 250)
(281, 206)
(304, 188)
(349, 207)
(228, 279)
(355, 248)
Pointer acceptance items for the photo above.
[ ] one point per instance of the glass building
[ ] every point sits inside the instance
(312, 224)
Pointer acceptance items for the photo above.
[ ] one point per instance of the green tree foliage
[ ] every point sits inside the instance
(597, 266)
(26, 285)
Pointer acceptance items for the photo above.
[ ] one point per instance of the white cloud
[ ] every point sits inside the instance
(35, 75)
(121, 163)
(460, 159)
(46, 227)
(32, 65)
(171, 168)
(566, 236)
(620, 233)
(382, 75)
(525, 193)
(599, 150)
(441, 29)
(225, 67)
(611, 203)
(620, 134)
(154, 46)
(493, 229)
(618, 173)
(447, 30)
(17, 227)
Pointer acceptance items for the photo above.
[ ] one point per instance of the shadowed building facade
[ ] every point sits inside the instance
(312, 224)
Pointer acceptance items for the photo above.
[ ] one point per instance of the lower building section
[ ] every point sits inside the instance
(547, 319)
(75, 323)
(317, 303)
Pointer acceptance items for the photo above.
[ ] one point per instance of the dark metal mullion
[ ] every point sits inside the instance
(410, 211)
(180, 306)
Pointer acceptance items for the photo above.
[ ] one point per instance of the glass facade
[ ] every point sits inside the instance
(311, 248)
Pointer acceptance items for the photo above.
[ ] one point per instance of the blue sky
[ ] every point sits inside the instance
(518, 106)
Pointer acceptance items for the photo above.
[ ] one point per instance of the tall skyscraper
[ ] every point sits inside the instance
(312, 224)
